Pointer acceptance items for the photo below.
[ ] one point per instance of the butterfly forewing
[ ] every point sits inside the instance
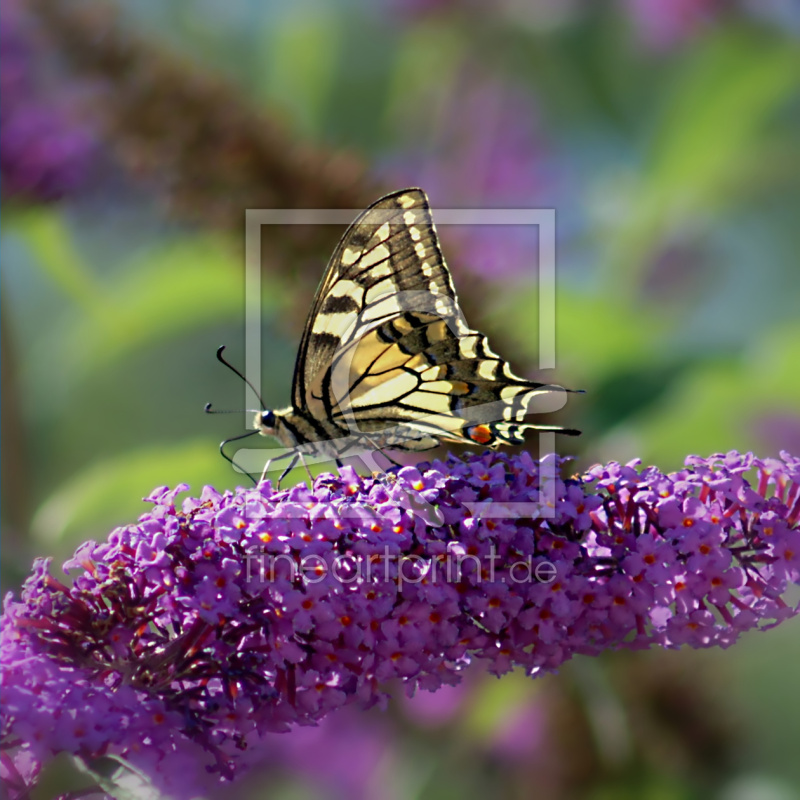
(386, 260)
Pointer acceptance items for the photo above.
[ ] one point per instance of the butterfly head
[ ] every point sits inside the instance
(266, 423)
(271, 423)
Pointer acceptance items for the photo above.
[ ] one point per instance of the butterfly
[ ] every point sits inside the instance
(387, 360)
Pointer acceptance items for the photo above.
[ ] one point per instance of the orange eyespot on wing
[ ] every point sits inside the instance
(482, 434)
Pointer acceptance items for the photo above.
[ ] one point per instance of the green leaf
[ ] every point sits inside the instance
(50, 241)
(301, 53)
(423, 51)
(774, 363)
(494, 701)
(593, 335)
(109, 492)
(176, 287)
(707, 139)
(713, 404)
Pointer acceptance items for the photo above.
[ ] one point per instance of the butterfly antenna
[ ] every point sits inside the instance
(209, 410)
(230, 366)
(235, 439)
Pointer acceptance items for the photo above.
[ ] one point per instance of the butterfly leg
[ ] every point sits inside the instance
(374, 464)
(295, 458)
(386, 455)
(229, 459)
(269, 464)
(308, 471)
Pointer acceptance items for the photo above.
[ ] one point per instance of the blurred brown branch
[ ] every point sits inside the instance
(15, 464)
(212, 153)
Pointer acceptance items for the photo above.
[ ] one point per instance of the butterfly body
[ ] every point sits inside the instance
(387, 359)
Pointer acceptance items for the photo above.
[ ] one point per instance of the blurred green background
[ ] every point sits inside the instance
(665, 135)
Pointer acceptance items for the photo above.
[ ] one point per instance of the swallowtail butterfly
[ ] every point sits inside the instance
(387, 360)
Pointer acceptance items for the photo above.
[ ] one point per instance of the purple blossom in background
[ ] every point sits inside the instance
(44, 154)
(431, 711)
(778, 429)
(489, 153)
(662, 24)
(522, 734)
(187, 637)
(352, 757)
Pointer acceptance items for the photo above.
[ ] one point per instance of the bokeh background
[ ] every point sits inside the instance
(665, 133)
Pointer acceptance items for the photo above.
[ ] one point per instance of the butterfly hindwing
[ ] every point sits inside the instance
(418, 373)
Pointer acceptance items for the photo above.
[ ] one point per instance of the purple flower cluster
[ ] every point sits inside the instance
(662, 24)
(186, 636)
(44, 154)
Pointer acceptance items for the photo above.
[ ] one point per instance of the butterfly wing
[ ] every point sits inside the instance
(387, 352)
(390, 249)
(415, 380)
